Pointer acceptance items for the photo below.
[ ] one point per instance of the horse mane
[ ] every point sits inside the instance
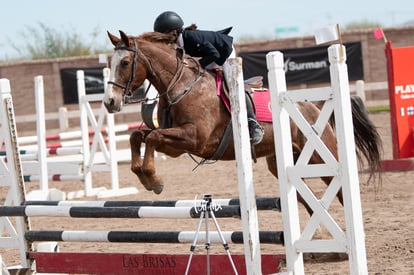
(164, 41)
(157, 37)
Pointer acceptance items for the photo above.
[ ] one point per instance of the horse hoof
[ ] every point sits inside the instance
(157, 189)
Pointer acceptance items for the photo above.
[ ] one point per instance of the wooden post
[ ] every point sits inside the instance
(41, 135)
(85, 136)
(63, 119)
(282, 133)
(348, 161)
(244, 166)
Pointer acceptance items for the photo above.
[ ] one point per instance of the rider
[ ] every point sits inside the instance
(213, 48)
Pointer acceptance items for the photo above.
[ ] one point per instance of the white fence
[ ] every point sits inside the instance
(63, 116)
(78, 153)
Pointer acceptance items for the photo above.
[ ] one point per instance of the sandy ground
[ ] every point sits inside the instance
(388, 218)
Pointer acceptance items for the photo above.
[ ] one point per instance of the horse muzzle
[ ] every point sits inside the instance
(113, 105)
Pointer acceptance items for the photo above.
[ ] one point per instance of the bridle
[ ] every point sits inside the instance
(127, 93)
(127, 88)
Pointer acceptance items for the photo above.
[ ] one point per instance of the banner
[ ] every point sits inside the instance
(304, 65)
(401, 94)
(93, 83)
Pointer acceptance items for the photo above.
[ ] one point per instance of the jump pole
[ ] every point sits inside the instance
(271, 203)
(116, 212)
(242, 145)
(231, 237)
(78, 134)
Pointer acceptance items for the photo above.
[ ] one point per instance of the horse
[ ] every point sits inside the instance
(192, 117)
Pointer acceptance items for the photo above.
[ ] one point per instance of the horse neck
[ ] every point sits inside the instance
(160, 65)
(163, 66)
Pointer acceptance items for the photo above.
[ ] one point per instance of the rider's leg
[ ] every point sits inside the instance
(256, 131)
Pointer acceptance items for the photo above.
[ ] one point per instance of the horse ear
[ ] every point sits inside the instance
(114, 40)
(125, 38)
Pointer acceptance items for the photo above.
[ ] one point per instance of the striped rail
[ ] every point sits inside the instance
(234, 237)
(261, 203)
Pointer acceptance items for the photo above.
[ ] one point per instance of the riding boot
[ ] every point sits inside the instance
(256, 131)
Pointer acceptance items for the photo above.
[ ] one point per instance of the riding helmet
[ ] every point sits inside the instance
(168, 21)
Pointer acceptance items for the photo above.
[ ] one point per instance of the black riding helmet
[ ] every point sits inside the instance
(168, 21)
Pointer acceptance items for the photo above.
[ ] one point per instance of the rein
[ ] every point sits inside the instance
(177, 77)
(131, 100)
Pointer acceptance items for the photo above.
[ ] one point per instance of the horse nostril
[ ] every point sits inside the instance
(109, 104)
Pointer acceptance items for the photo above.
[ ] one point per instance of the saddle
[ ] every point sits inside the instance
(255, 82)
(148, 109)
(250, 84)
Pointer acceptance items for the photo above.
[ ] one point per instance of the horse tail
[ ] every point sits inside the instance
(367, 139)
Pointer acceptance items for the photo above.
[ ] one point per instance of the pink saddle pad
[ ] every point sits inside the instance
(261, 100)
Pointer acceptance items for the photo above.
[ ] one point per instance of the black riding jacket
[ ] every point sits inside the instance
(211, 46)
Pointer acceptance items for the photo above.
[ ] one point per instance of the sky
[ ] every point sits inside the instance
(267, 19)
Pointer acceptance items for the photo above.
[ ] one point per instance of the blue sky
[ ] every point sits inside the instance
(249, 18)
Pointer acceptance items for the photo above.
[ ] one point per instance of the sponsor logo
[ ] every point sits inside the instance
(405, 91)
(292, 66)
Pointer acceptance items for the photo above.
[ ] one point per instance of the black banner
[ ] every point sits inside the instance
(93, 83)
(304, 65)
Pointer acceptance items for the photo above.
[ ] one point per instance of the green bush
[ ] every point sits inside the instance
(43, 42)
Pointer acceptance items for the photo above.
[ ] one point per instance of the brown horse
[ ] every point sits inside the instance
(192, 117)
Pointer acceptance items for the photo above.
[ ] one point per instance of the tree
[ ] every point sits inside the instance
(43, 42)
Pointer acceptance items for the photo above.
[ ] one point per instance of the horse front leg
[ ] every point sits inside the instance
(172, 141)
(136, 139)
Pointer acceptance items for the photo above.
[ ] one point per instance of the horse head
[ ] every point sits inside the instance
(127, 72)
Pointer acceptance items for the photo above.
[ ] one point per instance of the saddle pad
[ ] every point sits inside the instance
(261, 98)
(219, 91)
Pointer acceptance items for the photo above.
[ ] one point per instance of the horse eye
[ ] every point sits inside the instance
(124, 63)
